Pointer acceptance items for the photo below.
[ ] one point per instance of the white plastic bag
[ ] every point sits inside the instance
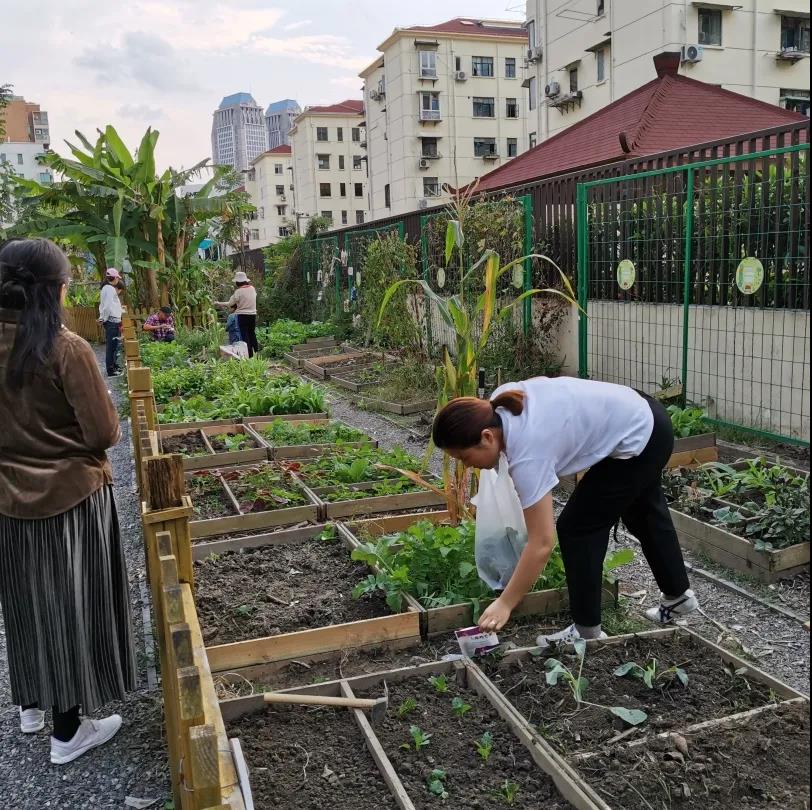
(501, 533)
(236, 351)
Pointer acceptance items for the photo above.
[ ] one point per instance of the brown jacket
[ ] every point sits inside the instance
(55, 430)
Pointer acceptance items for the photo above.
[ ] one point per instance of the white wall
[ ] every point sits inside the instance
(261, 186)
(22, 158)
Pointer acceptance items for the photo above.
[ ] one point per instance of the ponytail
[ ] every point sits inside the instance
(460, 423)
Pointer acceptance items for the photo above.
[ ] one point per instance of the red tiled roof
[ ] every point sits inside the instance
(472, 26)
(670, 112)
(349, 107)
(284, 149)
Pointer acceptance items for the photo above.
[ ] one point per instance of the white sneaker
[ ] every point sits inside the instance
(90, 734)
(566, 637)
(669, 610)
(31, 720)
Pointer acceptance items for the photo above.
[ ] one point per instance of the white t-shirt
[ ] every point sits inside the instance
(567, 425)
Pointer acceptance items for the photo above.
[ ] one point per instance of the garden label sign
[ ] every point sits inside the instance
(626, 274)
(749, 275)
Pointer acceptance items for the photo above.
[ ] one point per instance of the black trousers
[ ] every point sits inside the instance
(627, 489)
(248, 332)
(112, 332)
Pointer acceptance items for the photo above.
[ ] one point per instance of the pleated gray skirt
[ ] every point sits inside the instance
(66, 607)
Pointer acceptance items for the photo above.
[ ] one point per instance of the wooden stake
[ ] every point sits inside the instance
(205, 769)
(165, 483)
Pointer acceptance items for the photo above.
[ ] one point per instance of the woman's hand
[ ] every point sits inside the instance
(495, 616)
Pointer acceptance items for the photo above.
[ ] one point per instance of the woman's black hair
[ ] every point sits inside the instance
(32, 274)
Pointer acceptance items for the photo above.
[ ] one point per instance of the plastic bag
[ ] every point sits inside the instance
(236, 351)
(501, 533)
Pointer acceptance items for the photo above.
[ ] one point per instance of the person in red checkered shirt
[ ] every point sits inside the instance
(161, 325)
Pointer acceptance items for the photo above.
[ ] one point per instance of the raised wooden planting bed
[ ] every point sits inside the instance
(335, 504)
(209, 446)
(438, 620)
(284, 448)
(693, 450)
(357, 379)
(321, 367)
(296, 357)
(400, 408)
(315, 343)
(250, 500)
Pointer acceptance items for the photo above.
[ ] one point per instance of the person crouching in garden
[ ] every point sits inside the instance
(63, 581)
(110, 318)
(161, 325)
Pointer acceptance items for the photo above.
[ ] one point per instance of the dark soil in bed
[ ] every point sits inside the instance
(761, 765)
(712, 691)
(304, 759)
(470, 781)
(280, 589)
(209, 499)
(187, 444)
(251, 533)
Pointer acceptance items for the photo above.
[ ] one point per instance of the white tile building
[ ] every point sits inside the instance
(269, 183)
(238, 131)
(444, 105)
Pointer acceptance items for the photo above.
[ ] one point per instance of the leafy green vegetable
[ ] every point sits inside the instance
(263, 489)
(282, 335)
(649, 674)
(281, 433)
(687, 421)
(356, 466)
(484, 746)
(436, 783)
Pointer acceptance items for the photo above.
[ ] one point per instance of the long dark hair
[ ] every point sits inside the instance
(459, 424)
(32, 274)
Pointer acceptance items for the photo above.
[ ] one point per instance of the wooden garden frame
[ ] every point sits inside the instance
(321, 366)
(214, 459)
(694, 450)
(399, 408)
(373, 504)
(291, 451)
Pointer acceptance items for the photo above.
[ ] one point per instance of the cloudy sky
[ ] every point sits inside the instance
(167, 63)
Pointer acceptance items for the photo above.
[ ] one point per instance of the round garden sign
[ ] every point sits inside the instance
(626, 274)
(749, 275)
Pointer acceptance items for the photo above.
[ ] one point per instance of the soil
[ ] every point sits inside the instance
(266, 591)
(470, 781)
(289, 750)
(252, 533)
(220, 446)
(187, 444)
(209, 499)
(791, 454)
(717, 772)
(711, 692)
(264, 488)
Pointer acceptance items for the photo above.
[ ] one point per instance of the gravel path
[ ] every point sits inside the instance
(134, 763)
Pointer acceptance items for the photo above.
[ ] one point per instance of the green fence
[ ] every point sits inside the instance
(356, 244)
(698, 276)
(323, 280)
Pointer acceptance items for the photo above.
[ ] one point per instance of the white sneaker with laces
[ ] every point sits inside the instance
(566, 637)
(90, 734)
(31, 720)
(670, 610)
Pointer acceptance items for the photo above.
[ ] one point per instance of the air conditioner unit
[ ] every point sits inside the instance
(552, 90)
(423, 163)
(535, 53)
(460, 75)
(692, 53)
(422, 204)
(490, 156)
(381, 87)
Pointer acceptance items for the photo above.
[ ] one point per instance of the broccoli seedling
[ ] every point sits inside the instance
(436, 783)
(649, 675)
(484, 746)
(419, 739)
(508, 792)
(440, 683)
(460, 707)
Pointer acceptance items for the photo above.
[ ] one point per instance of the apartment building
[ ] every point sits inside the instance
(279, 119)
(329, 164)
(585, 54)
(25, 122)
(238, 131)
(444, 105)
(269, 183)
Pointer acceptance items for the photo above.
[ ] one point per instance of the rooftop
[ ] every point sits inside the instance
(348, 107)
(235, 99)
(472, 26)
(282, 106)
(276, 151)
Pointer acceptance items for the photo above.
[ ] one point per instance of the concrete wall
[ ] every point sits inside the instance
(274, 211)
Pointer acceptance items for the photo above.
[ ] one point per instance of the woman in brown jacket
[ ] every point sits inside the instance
(63, 583)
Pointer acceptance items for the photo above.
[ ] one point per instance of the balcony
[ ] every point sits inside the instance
(791, 55)
(430, 115)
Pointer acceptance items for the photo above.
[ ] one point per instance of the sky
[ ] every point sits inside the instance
(141, 63)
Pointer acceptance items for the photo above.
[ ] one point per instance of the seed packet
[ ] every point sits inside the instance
(474, 642)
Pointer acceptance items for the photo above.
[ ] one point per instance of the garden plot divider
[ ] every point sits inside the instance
(277, 452)
(211, 457)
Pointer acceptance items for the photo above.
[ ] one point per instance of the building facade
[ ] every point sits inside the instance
(269, 183)
(238, 133)
(444, 105)
(330, 164)
(23, 160)
(279, 119)
(585, 54)
(25, 122)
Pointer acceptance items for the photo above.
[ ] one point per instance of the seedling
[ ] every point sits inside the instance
(578, 684)
(649, 674)
(245, 611)
(484, 746)
(460, 707)
(436, 782)
(419, 739)
(508, 792)
(407, 707)
(440, 683)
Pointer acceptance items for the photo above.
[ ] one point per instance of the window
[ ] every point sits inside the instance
(340, 133)
(484, 146)
(431, 187)
(794, 34)
(344, 219)
(356, 134)
(321, 133)
(482, 66)
(512, 147)
(280, 210)
(19, 159)
(261, 212)
(710, 26)
(428, 148)
(601, 7)
(531, 33)
(357, 165)
(531, 90)
(428, 64)
(600, 64)
(531, 140)
(325, 190)
(277, 168)
(358, 189)
(284, 231)
(45, 178)
(429, 106)
(511, 108)
(796, 100)
(387, 196)
(255, 234)
(484, 107)
(2, 157)
(510, 67)
(328, 215)
(458, 63)
(574, 80)
(342, 189)
(341, 162)
(280, 191)
(324, 161)
(359, 217)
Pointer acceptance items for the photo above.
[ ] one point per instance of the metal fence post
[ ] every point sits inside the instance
(582, 243)
(687, 266)
(424, 259)
(527, 304)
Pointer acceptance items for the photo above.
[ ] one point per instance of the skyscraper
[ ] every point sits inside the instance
(238, 131)
(279, 119)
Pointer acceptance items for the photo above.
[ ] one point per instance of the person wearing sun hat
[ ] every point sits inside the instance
(243, 304)
(110, 319)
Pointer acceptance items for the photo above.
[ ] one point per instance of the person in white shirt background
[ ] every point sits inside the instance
(551, 427)
(110, 319)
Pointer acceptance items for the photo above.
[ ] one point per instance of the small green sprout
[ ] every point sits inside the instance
(440, 683)
(419, 739)
(484, 746)
(460, 707)
(245, 611)
(436, 783)
(407, 707)
(508, 792)
(649, 674)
